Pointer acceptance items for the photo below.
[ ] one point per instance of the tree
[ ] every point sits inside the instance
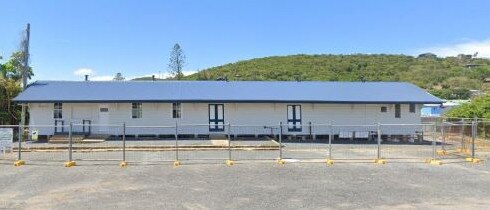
(479, 107)
(177, 61)
(13, 67)
(119, 77)
(10, 80)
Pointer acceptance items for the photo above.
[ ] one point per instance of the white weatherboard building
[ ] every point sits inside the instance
(92, 106)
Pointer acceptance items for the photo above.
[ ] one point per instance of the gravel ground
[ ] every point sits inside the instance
(252, 185)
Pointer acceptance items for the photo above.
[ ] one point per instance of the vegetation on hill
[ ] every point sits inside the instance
(479, 107)
(448, 78)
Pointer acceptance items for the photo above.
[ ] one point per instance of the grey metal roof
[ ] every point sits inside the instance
(223, 91)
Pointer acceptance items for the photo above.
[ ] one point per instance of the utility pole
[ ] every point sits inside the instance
(25, 70)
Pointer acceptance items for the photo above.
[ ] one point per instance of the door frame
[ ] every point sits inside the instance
(56, 126)
(293, 120)
(214, 122)
(86, 127)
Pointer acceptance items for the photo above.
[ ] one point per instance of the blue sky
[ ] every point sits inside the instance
(135, 37)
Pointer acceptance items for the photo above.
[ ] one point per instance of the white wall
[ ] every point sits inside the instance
(258, 114)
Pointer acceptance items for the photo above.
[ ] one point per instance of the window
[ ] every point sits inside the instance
(397, 111)
(104, 109)
(384, 109)
(294, 118)
(58, 111)
(176, 110)
(412, 108)
(137, 110)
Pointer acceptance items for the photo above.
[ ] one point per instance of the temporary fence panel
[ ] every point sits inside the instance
(46, 148)
(482, 142)
(457, 137)
(98, 143)
(202, 142)
(149, 143)
(307, 141)
(407, 142)
(354, 142)
(254, 142)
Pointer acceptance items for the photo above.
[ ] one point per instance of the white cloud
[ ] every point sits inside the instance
(93, 75)
(470, 47)
(83, 72)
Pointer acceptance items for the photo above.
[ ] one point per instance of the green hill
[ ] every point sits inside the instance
(449, 77)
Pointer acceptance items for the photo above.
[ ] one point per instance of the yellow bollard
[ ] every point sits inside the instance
(472, 160)
(19, 162)
(433, 162)
(230, 162)
(442, 152)
(329, 162)
(281, 161)
(176, 163)
(70, 163)
(380, 161)
(123, 164)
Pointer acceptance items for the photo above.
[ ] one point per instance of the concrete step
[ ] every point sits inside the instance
(65, 138)
(97, 137)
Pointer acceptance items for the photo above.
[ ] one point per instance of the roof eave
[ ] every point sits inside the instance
(227, 101)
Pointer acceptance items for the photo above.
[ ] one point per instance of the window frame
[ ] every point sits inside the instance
(138, 109)
(412, 108)
(398, 112)
(58, 111)
(176, 113)
(384, 109)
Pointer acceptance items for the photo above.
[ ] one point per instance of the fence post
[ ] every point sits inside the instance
(474, 134)
(280, 160)
(434, 138)
(443, 133)
(378, 159)
(229, 162)
(462, 135)
(176, 162)
(21, 132)
(330, 160)
(19, 160)
(310, 130)
(70, 162)
(123, 162)
(434, 160)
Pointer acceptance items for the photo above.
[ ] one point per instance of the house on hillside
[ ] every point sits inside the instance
(209, 105)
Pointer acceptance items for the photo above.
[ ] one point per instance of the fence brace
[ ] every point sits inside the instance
(229, 162)
(123, 162)
(70, 162)
(176, 162)
(329, 159)
(19, 160)
(280, 160)
(378, 159)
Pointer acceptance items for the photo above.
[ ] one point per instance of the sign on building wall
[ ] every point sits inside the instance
(6, 138)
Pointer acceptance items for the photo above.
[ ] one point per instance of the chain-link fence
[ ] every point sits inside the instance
(225, 141)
